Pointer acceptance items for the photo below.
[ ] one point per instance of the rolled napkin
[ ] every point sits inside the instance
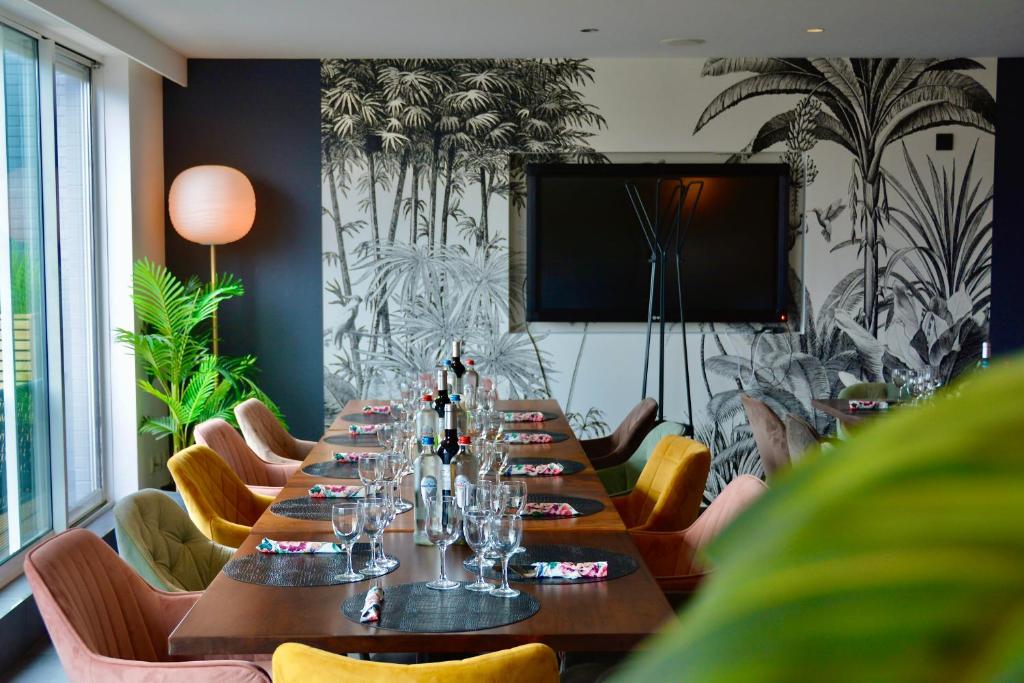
(546, 469)
(862, 404)
(549, 510)
(346, 457)
(270, 547)
(376, 410)
(356, 430)
(334, 491)
(372, 606)
(567, 570)
(527, 416)
(527, 437)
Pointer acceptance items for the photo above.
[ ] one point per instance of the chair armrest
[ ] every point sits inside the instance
(278, 474)
(681, 584)
(228, 533)
(597, 448)
(174, 607)
(660, 549)
(304, 446)
(132, 671)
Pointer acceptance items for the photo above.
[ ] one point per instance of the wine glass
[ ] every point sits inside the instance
(371, 470)
(495, 504)
(506, 533)
(375, 517)
(347, 520)
(899, 380)
(444, 525)
(514, 494)
(501, 454)
(398, 466)
(390, 512)
(476, 526)
(386, 435)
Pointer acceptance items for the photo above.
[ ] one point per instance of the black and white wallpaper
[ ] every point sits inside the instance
(892, 249)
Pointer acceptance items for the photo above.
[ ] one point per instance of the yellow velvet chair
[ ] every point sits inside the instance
(534, 663)
(667, 496)
(218, 502)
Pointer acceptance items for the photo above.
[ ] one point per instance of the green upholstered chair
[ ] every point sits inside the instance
(157, 538)
(620, 479)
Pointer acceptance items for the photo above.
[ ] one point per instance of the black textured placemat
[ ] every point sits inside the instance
(556, 437)
(311, 509)
(571, 466)
(548, 415)
(352, 440)
(297, 569)
(619, 565)
(584, 506)
(414, 608)
(367, 418)
(333, 470)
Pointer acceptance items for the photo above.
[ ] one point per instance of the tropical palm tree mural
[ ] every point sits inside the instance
(866, 105)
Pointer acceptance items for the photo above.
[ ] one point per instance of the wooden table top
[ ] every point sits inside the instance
(239, 618)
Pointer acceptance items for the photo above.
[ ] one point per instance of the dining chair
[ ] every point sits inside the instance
(673, 557)
(218, 501)
(107, 624)
(769, 435)
(259, 475)
(533, 663)
(616, 448)
(668, 494)
(620, 479)
(266, 436)
(801, 437)
(159, 541)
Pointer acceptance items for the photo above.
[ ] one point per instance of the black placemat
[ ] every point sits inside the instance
(368, 418)
(619, 565)
(584, 506)
(414, 608)
(333, 470)
(548, 415)
(311, 509)
(570, 466)
(556, 437)
(352, 440)
(297, 569)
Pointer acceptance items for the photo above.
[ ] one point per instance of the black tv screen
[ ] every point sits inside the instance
(588, 259)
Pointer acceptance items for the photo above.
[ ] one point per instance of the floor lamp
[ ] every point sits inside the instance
(212, 205)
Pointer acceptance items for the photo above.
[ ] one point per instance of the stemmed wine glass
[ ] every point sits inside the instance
(496, 502)
(375, 517)
(514, 493)
(444, 525)
(476, 526)
(347, 520)
(399, 466)
(386, 435)
(899, 380)
(506, 533)
(371, 471)
(389, 516)
(501, 455)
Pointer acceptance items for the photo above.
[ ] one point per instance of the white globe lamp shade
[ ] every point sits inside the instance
(212, 204)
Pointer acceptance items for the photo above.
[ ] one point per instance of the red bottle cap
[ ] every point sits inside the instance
(427, 397)
(470, 361)
(463, 439)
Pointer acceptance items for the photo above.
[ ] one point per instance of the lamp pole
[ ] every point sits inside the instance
(213, 285)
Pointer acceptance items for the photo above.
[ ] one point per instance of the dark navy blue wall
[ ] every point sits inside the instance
(263, 118)
(1007, 329)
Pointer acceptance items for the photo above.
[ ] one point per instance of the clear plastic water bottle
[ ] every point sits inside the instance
(426, 476)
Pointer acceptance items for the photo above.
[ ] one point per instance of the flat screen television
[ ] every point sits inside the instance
(588, 260)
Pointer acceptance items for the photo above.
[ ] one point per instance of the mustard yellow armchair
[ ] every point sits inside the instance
(534, 663)
(218, 502)
(667, 496)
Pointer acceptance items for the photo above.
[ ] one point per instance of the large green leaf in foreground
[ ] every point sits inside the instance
(899, 556)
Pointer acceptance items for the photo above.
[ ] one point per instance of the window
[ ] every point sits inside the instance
(50, 470)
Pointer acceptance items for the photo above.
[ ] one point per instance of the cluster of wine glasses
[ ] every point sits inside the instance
(916, 386)
(489, 515)
(370, 515)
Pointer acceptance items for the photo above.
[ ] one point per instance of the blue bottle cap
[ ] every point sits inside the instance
(455, 398)
(448, 362)
(427, 441)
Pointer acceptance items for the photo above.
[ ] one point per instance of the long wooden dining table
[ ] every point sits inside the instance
(236, 618)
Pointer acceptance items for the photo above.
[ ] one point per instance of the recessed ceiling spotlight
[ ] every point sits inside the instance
(682, 42)
(815, 29)
(589, 30)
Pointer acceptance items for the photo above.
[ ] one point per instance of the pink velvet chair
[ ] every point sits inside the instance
(260, 476)
(108, 625)
(673, 557)
(266, 436)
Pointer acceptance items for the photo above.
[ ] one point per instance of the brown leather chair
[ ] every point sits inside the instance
(107, 624)
(266, 436)
(769, 435)
(617, 447)
(673, 557)
(260, 476)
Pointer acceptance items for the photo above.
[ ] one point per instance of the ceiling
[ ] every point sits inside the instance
(549, 28)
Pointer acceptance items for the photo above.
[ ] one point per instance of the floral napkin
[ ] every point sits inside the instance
(334, 491)
(376, 410)
(293, 547)
(546, 469)
(567, 570)
(528, 437)
(372, 606)
(528, 416)
(549, 510)
(346, 457)
(862, 404)
(356, 430)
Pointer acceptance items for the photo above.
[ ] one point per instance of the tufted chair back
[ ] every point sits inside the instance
(156, 537)
(222, 439)
(668, 494)
(265, 434)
